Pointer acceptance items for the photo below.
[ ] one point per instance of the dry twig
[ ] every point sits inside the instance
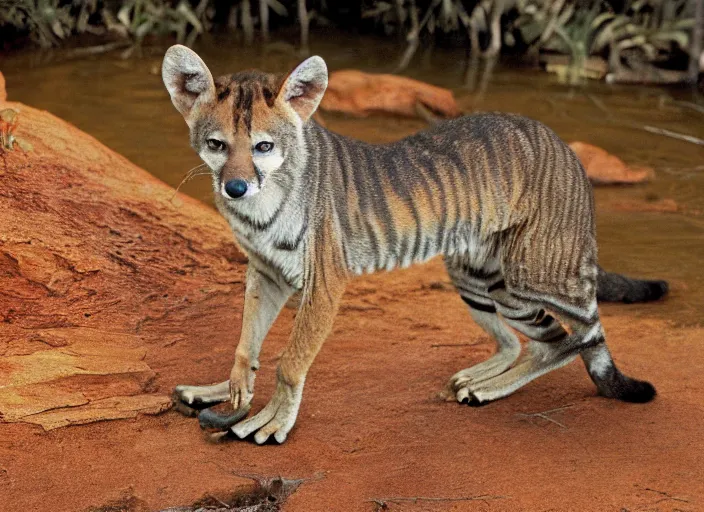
(667, 496)
(382, 503)
(545, 415)
(675, 135)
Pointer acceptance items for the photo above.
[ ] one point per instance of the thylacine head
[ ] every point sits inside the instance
(246, 127)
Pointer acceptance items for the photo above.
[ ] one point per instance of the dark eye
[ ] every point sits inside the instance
(215, 144)
(264, 147)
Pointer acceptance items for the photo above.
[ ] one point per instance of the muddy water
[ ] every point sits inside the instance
(123, 103)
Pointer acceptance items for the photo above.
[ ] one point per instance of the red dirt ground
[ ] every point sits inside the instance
(371, 425)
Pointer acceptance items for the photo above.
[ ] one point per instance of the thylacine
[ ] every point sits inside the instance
(500, 196)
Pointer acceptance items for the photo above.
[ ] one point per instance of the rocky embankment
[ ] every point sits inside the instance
(99, 262)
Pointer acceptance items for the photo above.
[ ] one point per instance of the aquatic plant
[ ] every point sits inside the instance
(644, 33)
(137, 19)
(49, 21)
(46, 21)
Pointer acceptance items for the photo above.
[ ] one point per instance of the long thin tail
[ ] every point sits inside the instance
(610, 381)
(611, 287)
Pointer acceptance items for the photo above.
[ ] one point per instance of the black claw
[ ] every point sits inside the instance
(211, 419)
(229, 436)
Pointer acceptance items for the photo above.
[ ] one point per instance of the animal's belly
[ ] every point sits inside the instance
(375, 251)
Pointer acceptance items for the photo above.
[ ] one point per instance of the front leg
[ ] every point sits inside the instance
(322, 291)
(264, 298)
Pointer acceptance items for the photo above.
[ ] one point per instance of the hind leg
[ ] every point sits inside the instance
(474, 290)
(508, 350)
(538, 360)
(547, 350)
(551, 347)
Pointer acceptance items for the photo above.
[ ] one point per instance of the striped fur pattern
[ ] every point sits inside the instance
(499, 196)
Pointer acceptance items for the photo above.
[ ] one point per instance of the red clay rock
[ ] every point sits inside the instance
(360, 94)
(605, 169)
(3, 91)
(94, 257)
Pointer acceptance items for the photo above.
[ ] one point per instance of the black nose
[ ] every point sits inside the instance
(236, 188)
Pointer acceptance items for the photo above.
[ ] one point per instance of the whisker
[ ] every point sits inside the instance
(202, 164)
(191, 176)
(193, 173)
(206, 173)
(197, 168)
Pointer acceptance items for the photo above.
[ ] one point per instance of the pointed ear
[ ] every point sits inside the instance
(187, 78)
(304, 87)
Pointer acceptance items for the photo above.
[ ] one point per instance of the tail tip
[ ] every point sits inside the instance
(649, 291)
(637, 391)
(657, 289)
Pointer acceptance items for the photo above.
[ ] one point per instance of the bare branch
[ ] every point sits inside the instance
(247, 23)
(304, 20)
(264, 19)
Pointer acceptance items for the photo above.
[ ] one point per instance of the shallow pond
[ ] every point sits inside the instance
(124, 104)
